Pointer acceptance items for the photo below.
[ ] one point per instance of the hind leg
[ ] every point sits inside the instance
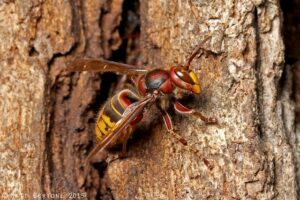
(125, 139)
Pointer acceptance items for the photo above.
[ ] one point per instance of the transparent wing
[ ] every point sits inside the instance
(121, 125)
(99, 65)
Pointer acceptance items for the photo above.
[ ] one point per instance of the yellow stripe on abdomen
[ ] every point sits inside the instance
(103, 126)
(108, 121)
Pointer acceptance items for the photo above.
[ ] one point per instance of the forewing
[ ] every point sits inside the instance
(99, 65)
(121, 125)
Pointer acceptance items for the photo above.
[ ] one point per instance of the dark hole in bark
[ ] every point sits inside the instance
(129, 31)
(128, 52)
(33, 51)
(291, 31)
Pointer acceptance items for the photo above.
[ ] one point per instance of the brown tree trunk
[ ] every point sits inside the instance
(48, 115)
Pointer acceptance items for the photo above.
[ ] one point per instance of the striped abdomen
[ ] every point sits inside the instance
(112, 112)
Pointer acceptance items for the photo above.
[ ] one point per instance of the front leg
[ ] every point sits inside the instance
(184, 110)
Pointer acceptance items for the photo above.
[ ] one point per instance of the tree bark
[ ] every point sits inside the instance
(48, 115)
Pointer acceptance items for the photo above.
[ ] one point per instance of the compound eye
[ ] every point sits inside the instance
(183, 75)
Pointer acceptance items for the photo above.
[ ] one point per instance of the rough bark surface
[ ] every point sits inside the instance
(48, 115)
(22, 102)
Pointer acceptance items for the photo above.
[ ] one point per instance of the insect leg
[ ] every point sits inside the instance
(184, 110)
(169, 126)
(127, 135)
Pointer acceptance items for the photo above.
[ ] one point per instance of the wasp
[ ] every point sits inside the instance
(124, 110)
